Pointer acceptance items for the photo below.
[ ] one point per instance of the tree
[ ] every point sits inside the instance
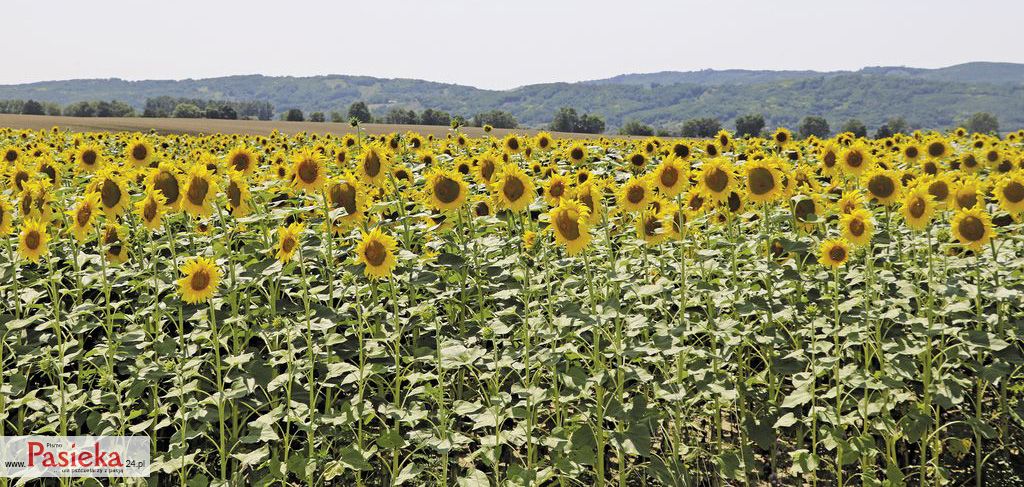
(337, 118)
(316, 117)
(435, 117)
(495, 118)
(855, 127)
(814, 125)
(401, 116)
(634, 127)
(590, 124)
(187, 110)
(565, 120)
(701, 127)
(979, 123)
(32, 107)
(360, 112)
(893, 126)
(80, 109)
(294, 115)
(749, 125)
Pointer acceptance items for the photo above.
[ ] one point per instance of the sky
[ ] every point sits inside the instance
(492, 44)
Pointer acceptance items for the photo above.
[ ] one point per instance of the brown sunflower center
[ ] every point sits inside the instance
(911, 152)
(716, 180)
(83, 215)
(652, 225)
(972, 228)
(513, 189)
(916, 208)
(854, 159)
(761, 181)
(487, 169)
(637, 160)
(513, 143)
(669, 176)
(856, 227)
(371, 164)
(110, 193)
(11, 155)
(829, 159)
(20, 177)
(89, 157)
(140, 152)
(576, 154)
(308, 171)
(287, 244)
(803, 209)
(344, 195)
(681, 150)
(1014, 192)
(936, 149)
(837, 253)
(635, 194)
(447, 189)
(149, 210)
(200, 280)
(881, 186)
(33, 239)
(557, 189)
(240, 162)
(166, 183)
(197, 191)
(375, 253)
(234, 194)
(939, 190)
(568, 224)
(481, 209)
(967, 199)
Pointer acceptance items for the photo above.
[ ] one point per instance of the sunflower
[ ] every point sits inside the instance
(288, 241)
(937, 148)
(857, 226)
(346, 193)
(782, 137)
(83, 215)
(11, 154)
(969, 162)
(486, 167)
(833, 253)
(243, 160)
(653, 226)
(829, 158)
(200, 280)
(556, 189)
(376, 250)
(6, 216)
(34, 201)
(856, 159)
(165, 179)
(446, 188)
(481, 207)
(918, 208)
(114, 197)
(570, 223)
(32, 243)
(882, 185)
(577, 153)
(695, 203)
(635, 194)
(807, 211)
(138, 152)
(716, 179)
(514, 189)
(151, 209)
(911, 152)
(309, 169)
(1009, 191)
(939, 187)
(512, 144)
(582, 175)
(113, 243)
(543, 141)
(89, 158)
(199, 191)
(724, 140)
(238, 194)
(590, 196)
(930, 167)
(19, 175)
(670, 176)
(681, 150)
(46, 165)
(764, 181)
(374, 165)
(967, 193)
(972, 227)
(637, 161)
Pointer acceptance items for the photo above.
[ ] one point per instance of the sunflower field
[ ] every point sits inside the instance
(522, 310)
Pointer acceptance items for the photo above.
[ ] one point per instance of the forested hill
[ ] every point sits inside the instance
(926, 98)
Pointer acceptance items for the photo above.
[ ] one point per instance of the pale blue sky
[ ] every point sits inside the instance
(492, 44)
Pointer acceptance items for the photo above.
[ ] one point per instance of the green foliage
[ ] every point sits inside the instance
(495, 118)
(634, 127)
(294, 115)
(814, 125)
(402, 116)
(982, 123)
(749, 125)
(855, 127)
(33, 107)
(893, 126)
(187, 110)
(701, 127)
(359, 111)
(316, 117)
(435, 117)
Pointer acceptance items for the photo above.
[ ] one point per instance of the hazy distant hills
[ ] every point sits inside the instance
(927, 98)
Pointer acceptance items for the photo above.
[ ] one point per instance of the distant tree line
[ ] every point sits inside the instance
(166, 106)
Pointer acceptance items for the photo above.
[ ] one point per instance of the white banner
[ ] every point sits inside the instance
(74, 456)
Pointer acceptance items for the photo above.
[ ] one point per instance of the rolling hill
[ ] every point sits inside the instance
(927, 98)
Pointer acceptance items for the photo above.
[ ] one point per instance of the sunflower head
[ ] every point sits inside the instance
(288, 241)
(882, 185)
(376, 251)
(972, 228)
(918, 207)
(858, 226)
(243, 160)
(374, 165)
(764, 180)
(114, 245)
(570, 224)
(151, 209)
(671, 176)
(716, 179)
(1009, 191)
(856, 159)
(514, 190)
(138, 152)
(33, 241)
(83, 215)
(199, 191)
(310, 171)
(833, 253)
(446, 189)
(200, 277)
